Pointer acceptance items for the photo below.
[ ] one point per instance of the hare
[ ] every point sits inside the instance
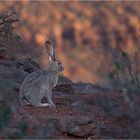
(40, 83)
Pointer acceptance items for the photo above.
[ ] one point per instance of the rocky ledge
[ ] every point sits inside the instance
(83, 110)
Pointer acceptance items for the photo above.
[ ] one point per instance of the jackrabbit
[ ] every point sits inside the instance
(40, 83)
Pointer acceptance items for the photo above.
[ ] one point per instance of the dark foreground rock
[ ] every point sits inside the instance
(83, 110)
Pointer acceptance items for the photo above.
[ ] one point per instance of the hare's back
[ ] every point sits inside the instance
(30, 83)
(33, 76)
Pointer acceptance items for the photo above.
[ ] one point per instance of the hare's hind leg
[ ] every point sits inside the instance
(24, 102)
(36, 101)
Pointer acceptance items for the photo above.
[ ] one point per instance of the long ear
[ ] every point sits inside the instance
(50, 50)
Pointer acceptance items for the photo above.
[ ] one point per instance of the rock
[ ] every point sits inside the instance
(64, 81)
(3, 52)
(77, 103)
(8, 70)
(1, 98)
(51, 129)
(8, 93)
(7, 86)
(47, 131)
(79, 126)
(12, 133)
(27, 65)
(64, 88)
(105, 131)
(86, 88)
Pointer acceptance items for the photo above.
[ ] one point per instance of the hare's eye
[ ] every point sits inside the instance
(58, 63)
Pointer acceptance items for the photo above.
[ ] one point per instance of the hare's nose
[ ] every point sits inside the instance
(62, 68)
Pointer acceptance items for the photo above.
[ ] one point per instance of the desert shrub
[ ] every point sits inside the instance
(8, 37)
(124, 72)
(124, 76)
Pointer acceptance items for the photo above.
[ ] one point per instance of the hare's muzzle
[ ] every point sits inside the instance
(62, 68)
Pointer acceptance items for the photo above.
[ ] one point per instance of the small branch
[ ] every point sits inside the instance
(8, 17)
(10, 21)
